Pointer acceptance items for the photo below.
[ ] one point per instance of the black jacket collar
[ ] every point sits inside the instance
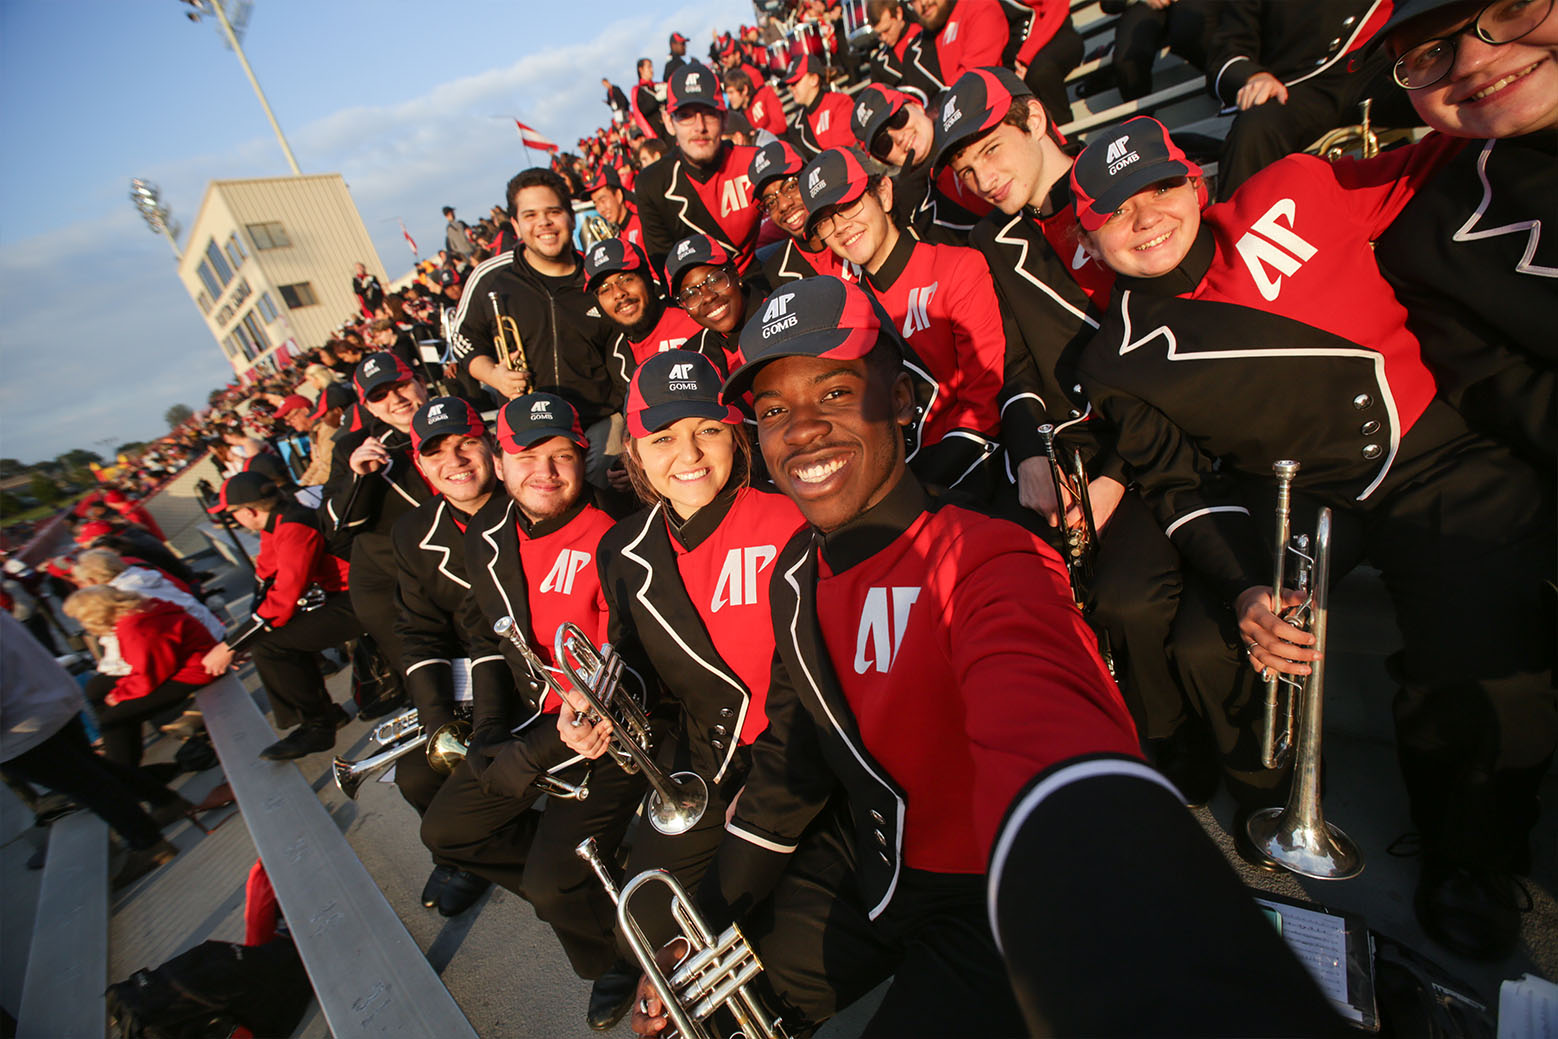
(1182, 279)
(701, 174)
(692, 533)
(1057, 201)
(877, 527)
(896, 261)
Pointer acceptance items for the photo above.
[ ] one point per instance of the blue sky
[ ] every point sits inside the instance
(408, 101)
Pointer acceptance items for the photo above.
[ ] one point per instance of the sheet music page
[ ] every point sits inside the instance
(1320, 943)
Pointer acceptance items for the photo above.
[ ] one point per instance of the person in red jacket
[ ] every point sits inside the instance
(775, 173)
(611, 201)
(163, 646)
(965, 34)
(943, 303)
(133, 511)
(301, 608)
(757, 99)
(822, 121)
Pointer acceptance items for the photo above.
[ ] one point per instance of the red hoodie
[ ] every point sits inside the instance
(161, 643)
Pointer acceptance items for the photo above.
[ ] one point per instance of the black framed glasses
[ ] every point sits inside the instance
(1498, 23)
(713, 285)
(826, 224)
(770, 202)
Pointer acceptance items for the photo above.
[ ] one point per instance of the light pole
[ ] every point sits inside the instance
(158, 217)
(200, 7)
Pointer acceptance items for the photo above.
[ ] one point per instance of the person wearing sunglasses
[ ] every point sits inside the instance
(941, 299)
(897, 132)
(775, 175)
(1467, 256)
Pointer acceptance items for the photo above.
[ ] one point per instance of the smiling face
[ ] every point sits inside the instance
(781, 197)
(715, 302)
(831, 433)
(545, 479)
(1490, 90)
(624, 299)
(396, 404)
(460, 468)
(912, 138)
(542, 221)
(1151, 232)
(688, 462)
(1005, 167)
(697, 129)
(609, 204)
(862, 232)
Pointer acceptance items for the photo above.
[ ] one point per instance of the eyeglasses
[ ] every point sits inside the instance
(770, 202)
(882, 143)
(687, 113)
(825, 224)
(713, 285)
(1498, 23)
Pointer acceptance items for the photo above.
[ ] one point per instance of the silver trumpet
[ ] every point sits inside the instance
(1297, 836)
(676, 801)
(715, 972)
(1081, 542)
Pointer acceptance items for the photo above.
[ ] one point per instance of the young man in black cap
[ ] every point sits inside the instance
(377, 483)
(615, 206)
(302, 607)
(702, 187)
(895, 130)
(905, 58)
(530, 555)
(540, 287)
(1278, 292)
(618, 276)
(703, 277)
(822, 121)
(678, 58)
(999, 142)
(775, 174)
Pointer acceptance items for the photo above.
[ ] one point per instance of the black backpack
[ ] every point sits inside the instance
(209, 990)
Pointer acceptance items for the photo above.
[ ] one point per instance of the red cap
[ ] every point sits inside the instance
(90, 532)
(803, 65)
(292, 402)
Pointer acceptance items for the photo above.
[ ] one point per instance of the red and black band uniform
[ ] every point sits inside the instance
(1052, 296)
(907, 687)
(677, 199)
(909, 65)
(725, 350)
(936, 207)
(790, 260)
(483, 819)
(283, 639)
(823, 124)
(164, 647)
(694, 596)
(632, 229)
(1280, 296)
(674, 329)
(1480, 306)
(765, 111)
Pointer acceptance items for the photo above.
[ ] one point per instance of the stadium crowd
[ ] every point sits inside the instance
(916, 461)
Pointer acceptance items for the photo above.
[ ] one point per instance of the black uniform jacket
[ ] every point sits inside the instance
(650, 609)
(1291, 41)
(910, 67)
(564, 337)
(1480, 283)
(432, 587)
(671, 209)
(359, 512)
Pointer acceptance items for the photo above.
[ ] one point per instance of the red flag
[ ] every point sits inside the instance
(409, 240)
(532, 139)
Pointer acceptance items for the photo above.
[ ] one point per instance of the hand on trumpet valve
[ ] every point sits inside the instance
(579, 733)
(1270, 641)
(649, 1016)
(1036, 489)
(511, 384)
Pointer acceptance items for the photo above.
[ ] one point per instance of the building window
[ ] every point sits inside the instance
(230, 346)
(204, 299)
(224, 315)
(235, 251)
(251, 322)
(251, 349)
(208, 279)
(241, 292)
(224, 273)
(268, 236)
(266, 308)
(298, 295)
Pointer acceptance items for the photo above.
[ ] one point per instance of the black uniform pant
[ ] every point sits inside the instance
(288, 669)
(1141, 31)
(821, 951)
(120, 725)
(531, 853)
(1047, 71)
(373, 600)
(1263, 134)
(65, 763)
(1463, 535)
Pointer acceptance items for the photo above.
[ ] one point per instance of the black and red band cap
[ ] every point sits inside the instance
(774, 159)
(526, 421)
(673, 385)
(607, 257)
(836, 177)
(1114, 166)
(607, 177)
(813, 317)
(693, 84)
(335, 395)
(243, 489)
(379, 369)
(976, 102)
(804, 65)
(442, 416)
(874, 106)
(696, 251)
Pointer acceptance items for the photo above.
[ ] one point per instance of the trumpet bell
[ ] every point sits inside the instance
(346, 777)
(446, 748)
(1309, 847)
(681, 812)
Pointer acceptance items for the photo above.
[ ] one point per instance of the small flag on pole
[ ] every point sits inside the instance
(409, 240)
(533, 139)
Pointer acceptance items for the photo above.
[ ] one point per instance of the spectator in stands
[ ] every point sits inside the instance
(678, 58)
(322, 423)
(368, 291)
(133, 511)
(457, 237)
(617, 101)
(42, 741)
(616, 207)
(105, 566)
(761, 105)
(905, 58)
(822, 122)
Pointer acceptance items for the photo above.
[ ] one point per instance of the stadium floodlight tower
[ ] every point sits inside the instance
(232, 37)
(158, 217)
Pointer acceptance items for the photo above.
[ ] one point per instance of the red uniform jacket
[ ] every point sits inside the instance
(677, 199)
(674, 328)
(293, 557)
(824, 125)
(765, 111)
(974, 36)
(161, 643)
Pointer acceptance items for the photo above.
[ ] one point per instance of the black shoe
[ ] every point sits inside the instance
(302, 741)
(1246, 847)
(436, 882)
(1471, 912)
(461, 892)
(1188, 759)
(611, 996)
(38, 858)
(339, 718)
(170, 812)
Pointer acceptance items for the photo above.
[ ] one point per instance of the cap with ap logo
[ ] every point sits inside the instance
(977, 102)
(804, 65)
(693, 84)
(835, 177)
(1116, 165)
(379, 369)
(774, 159)
(697, 251)
(442, 416)
(813, 317)
(610, 256)
(526, 421)
(874, 106)
(674, 385)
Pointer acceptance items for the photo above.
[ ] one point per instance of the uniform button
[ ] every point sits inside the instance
(1320, 61)
(1076, 389)
(884, 858)
(1369, 428)
(1075, 413)
(726, 712)
(1349, 21)
(876, 817)
(1336, 43)
(881, 838)
(717, 744)
(720, 730)
(1363, 400)
(1372, 451)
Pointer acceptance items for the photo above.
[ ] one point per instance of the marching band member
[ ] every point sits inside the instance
(619, 277)
(704, 277)
(1277, 292)
(822, 120)
(775, 174)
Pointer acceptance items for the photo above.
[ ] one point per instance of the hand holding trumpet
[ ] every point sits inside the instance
(1280, 645)
(588, 738)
